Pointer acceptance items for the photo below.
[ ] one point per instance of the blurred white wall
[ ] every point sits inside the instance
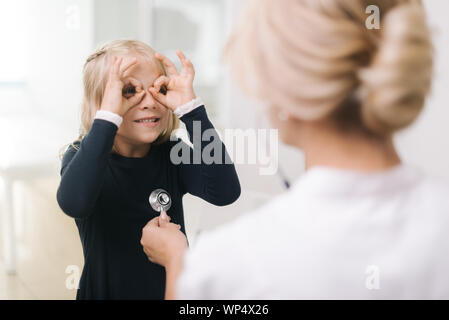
(45, 45)
(60, 38)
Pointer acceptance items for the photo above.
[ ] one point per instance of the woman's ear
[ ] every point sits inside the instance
(277, 116)
(288, 126)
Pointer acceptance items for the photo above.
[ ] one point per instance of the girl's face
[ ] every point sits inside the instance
(143, 123)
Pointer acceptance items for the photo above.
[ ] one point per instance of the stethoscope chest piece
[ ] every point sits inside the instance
(160, 200)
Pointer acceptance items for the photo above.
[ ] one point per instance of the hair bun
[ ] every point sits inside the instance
(394, 86)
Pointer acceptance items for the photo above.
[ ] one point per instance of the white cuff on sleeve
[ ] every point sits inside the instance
(109, 116)
(189, 106)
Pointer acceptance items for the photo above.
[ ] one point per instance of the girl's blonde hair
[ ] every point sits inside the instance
(95, 78)
(315, 57)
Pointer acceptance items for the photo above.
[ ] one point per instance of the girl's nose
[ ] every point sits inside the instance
(147, 102)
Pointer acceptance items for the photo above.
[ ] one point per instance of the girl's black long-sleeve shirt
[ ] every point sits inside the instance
(107, 194)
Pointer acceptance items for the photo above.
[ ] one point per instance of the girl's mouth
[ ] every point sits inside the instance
(148, 122)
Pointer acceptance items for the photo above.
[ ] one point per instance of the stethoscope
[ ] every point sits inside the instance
(160, 200)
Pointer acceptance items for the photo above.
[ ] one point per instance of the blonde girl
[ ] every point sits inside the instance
(133, 100)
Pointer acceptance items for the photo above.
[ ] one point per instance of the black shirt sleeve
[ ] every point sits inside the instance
(209, 172)
(83, 170)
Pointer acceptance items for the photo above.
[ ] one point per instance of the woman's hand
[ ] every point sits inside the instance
(113, 98)
(163, 242)
(179, 86)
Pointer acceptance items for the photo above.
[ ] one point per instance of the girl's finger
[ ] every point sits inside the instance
(136, 83)
(118, 63)
(116, 68)
(111, 66)
(161, 98)
(181, 55)
(187, 66)
(162, 80)
(136, 99)
(130, 87)
(131, 62)
(170, 66)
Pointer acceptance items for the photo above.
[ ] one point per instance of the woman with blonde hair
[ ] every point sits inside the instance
(359, 223)
(133, 100)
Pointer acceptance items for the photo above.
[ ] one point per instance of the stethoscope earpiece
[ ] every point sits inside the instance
(160, 200)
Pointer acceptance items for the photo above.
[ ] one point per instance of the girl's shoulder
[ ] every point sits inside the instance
(73, 147)
(169, 144)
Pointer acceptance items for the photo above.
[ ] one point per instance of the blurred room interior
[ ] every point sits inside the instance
(44, 46)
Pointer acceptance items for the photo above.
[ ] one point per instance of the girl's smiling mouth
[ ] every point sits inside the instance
(148, 121)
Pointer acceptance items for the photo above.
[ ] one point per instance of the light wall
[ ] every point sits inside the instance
(60, 38)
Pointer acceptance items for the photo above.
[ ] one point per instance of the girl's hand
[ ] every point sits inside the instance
(113, 99)
(179, 87)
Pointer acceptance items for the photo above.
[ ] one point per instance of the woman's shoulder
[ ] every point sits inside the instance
(433, 191)
(248, 229)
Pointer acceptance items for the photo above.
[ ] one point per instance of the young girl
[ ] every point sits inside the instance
(132, 102)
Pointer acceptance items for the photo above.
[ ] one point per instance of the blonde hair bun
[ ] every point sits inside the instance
(395, 85)
(312, 57)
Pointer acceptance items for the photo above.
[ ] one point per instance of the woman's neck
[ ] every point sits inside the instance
(129, 149)
(327, 146)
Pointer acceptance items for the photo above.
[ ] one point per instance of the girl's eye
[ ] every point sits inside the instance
(128, 91)
(163, 89)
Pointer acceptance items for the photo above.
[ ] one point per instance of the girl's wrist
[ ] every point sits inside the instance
(187, 98)
(188, 107)
(190, 98)
(109, 116)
